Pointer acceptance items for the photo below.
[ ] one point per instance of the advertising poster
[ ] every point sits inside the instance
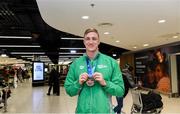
(152, 67)
(38, 71)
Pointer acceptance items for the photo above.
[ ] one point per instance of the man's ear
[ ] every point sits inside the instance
(99, 42)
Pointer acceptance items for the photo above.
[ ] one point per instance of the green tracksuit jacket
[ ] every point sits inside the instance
(95, 99)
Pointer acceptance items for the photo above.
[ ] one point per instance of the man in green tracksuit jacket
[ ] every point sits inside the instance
(94, 77)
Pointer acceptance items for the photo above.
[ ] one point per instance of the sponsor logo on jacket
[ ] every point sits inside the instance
(101, 66)
(98, 66)
(81, 67)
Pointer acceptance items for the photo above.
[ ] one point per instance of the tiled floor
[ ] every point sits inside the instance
(28, 99)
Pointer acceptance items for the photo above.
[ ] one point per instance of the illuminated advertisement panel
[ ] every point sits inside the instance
(38, 71)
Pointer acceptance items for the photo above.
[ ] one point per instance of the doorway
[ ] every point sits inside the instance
(178, 72)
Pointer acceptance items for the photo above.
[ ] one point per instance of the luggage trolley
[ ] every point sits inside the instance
(138, 106)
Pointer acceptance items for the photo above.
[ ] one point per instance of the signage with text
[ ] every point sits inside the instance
(38, 71)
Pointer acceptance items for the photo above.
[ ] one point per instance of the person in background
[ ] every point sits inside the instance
(15, 78)
(5, 74)
(127, 74)
(94, 77)
(56, 86)
(19, 74)
(54, 82)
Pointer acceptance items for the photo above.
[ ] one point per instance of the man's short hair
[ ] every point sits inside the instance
(91, 30)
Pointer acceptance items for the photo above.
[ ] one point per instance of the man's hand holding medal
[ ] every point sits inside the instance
(83, 78)
(89, 79)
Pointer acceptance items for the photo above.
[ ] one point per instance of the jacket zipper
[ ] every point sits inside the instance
(91, 101)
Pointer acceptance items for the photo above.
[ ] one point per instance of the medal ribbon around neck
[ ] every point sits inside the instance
(90, 68)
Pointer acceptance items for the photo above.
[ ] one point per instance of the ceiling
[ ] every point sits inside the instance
(130, 23)
(37, 40)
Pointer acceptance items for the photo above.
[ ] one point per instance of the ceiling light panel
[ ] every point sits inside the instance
(33, 53)
(73, 51)
(74, 48)
(27, 56)
(16, 37)
(70, 53)
(72, 38)
(69, 56)
(19, 46)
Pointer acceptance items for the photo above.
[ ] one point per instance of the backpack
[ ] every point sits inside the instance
(151, 101)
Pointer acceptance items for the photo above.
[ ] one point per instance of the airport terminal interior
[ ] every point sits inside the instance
(39, 35)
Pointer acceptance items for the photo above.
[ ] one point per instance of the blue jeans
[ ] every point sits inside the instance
(119, 105)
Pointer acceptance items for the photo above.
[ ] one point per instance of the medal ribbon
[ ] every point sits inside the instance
(90, 68)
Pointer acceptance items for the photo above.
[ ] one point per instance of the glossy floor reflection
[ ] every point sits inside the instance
(28, 99)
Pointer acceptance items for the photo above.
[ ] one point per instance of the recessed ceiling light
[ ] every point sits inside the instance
(134, 47)
(117, 41)
(85, 17)
(162, 21)
(175, 36)
(145, 45)
(106, 33)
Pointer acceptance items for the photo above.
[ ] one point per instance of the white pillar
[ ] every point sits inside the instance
(174, 79)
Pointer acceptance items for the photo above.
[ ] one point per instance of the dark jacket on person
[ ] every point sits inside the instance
(128, 80)
(54, 77)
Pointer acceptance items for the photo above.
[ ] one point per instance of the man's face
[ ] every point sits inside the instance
(91, 41)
